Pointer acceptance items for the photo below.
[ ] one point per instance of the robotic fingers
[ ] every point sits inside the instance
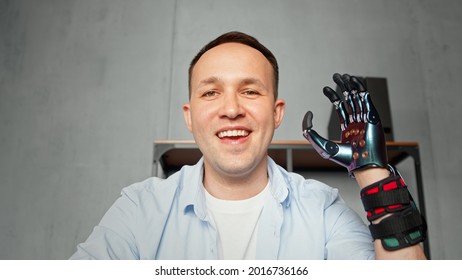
(362, 142)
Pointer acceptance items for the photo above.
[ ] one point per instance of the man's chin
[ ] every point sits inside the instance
(237, 168)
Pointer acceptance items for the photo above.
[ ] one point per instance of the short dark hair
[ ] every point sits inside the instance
(242, 38)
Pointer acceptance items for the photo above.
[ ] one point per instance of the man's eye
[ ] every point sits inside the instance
(209, 93)
(250, 92)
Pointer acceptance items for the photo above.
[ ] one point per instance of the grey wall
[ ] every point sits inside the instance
(86, 86)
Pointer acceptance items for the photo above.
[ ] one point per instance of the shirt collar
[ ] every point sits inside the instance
(192, 193)
(280, 186)
(192, 196)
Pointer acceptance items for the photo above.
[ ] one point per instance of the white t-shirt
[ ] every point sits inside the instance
(237, 224)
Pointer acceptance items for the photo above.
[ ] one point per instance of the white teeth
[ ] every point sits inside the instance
(229, 133)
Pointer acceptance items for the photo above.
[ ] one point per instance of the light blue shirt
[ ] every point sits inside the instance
(168, 219)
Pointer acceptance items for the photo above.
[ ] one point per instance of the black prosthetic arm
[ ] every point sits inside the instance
(363, 146)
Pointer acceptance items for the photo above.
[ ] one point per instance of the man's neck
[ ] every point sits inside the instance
(234, 187)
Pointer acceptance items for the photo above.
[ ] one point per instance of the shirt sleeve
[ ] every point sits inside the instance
(113, 237)
(347, 237)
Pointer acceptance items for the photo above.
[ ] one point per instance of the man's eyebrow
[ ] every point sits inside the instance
(243, 82)
(208, 81)
(253, 81)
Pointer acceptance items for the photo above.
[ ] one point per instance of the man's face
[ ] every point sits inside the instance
(232, 112)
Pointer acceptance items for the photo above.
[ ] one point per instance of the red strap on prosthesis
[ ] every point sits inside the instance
(386, 196)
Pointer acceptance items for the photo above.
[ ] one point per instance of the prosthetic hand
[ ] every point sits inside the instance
(363, 142)
(363, 146)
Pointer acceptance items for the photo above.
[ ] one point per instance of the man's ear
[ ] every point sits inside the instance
(279, 109)
(187, 116)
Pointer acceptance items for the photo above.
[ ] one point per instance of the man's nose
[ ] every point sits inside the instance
(231, 106)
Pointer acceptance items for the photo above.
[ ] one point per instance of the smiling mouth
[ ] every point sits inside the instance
(232, 133)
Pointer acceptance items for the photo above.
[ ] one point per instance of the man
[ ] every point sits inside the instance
(236, 203)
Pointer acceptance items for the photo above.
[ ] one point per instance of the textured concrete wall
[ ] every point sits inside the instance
(86, 86)
(83, 85)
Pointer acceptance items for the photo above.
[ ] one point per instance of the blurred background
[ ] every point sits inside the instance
(87, 86)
